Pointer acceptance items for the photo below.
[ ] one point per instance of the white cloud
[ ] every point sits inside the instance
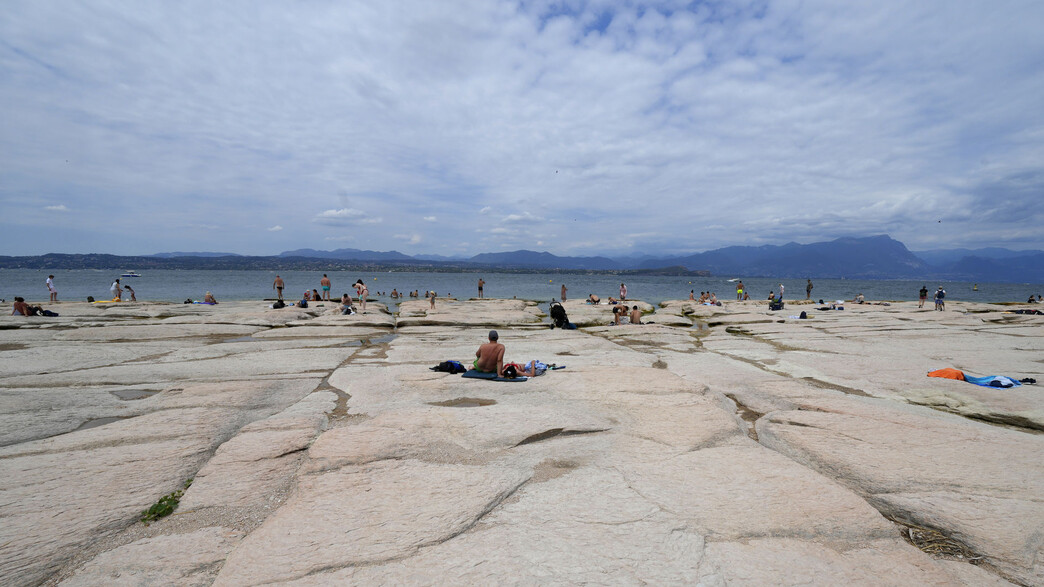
(344, 217)
(412, 239)
(58, 208)
(691, 123)
(275, 228)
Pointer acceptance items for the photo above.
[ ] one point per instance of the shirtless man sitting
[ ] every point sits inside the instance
(19, 308)
(636, 315)
(490, 356)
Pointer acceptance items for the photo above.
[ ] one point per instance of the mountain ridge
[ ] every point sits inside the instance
(871, 257)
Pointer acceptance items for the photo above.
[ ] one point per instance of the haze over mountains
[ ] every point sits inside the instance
(874, 257)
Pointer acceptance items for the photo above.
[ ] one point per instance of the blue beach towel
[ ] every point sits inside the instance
(992, 381)
(476, 374)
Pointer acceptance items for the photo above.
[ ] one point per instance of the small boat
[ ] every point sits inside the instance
(131, 273)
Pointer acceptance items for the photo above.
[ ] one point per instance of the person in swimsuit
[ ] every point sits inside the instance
(115, 290)
(480, 285)
(564, 292)
(19, 308)
(808, 290)
(325, 283)
(130, 290)
(361, 292)
(739, 291)
(623, 292)
(316, 297)
(636, 315)
(278, 286)
(489, 358)
(209, 299)
(346, 305)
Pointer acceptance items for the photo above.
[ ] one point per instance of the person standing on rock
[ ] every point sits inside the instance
(115, 290)
(50, 288)
(924, 296)
(325, 282)
(623, 291)
(361, 292)
(278, 286)
(781, 292)
(940, 299)
(480, 285)
(808, 290)
(739, 291)
(489, 358)
(564, 290)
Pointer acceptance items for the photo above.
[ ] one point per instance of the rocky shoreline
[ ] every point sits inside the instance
(716, 445)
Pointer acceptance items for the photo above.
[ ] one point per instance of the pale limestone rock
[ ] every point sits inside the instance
(487, 312)
(255, 463)
(189, 560)
(63, 493)
(118, 333)
(412, 433)
(366, 515)
(743, 491)
(39, 358)
(327, 334)
(931, 470)
(585, 526)
(236, 367)
(787, 561)
(1017, 406)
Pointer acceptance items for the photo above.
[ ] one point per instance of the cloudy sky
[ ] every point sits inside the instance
(460, 127)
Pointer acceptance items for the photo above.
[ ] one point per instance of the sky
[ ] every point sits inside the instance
(459, 127)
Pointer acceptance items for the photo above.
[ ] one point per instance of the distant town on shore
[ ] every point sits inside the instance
(874, 257)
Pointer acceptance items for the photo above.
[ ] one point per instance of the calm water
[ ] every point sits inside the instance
(176, 286)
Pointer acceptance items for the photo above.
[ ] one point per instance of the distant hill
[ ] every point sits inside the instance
(439, 258)
(348, 254)
(202, 254)
(544, 260)
(943, 257)
(1023, 269)
(874, 257)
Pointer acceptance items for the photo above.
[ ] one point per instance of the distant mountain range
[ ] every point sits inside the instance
(873, 257)
(181, 254)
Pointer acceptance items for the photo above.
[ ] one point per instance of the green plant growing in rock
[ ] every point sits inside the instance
(165, 506)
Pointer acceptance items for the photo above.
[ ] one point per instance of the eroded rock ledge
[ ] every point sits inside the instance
(718, 446)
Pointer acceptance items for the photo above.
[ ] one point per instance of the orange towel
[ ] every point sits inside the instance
(948, 373)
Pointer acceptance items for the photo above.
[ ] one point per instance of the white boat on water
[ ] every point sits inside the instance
(131, 273)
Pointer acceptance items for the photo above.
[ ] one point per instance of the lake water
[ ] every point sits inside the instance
(177, 285)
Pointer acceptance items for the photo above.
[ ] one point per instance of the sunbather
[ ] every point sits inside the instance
(490, 356)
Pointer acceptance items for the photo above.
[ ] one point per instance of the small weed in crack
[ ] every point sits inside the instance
(165, 506)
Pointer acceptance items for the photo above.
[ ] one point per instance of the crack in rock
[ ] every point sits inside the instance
(552, 433)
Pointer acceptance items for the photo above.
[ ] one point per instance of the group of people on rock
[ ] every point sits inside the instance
(706, 297)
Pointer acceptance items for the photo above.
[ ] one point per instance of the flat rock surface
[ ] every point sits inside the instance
(714, 445)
